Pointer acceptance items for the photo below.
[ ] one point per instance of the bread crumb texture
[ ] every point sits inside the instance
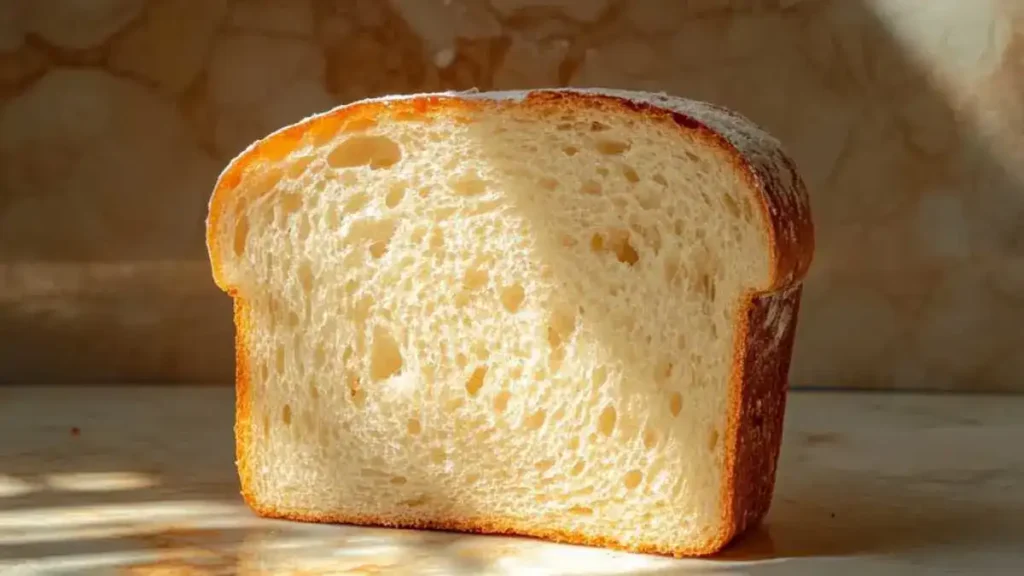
(493, 317)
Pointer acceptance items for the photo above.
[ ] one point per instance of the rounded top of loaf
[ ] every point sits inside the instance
(759, 156)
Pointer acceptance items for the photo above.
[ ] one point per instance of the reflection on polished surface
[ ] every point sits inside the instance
(134, 480)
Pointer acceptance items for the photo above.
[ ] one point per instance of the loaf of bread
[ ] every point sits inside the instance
(565, 314)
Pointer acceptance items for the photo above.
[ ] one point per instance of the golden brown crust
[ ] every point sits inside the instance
(766, 322)
(243, 402)
(758, 384)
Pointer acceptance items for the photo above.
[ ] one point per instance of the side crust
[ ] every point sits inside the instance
(766, 321)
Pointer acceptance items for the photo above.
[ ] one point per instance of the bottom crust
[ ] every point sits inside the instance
(485, 526)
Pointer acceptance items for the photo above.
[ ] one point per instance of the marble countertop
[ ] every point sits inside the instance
(133, 480)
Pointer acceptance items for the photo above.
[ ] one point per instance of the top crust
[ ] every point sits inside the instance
(785, 205)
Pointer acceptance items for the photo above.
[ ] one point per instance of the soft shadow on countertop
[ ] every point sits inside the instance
(858, 514)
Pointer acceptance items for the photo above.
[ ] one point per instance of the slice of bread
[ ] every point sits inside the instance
(559, 313)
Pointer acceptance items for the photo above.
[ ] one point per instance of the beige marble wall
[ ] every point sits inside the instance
(907, 117)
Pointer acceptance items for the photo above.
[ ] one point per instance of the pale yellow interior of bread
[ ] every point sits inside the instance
(519, 321)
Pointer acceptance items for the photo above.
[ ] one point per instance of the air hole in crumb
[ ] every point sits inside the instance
(748, 210)
(356, 202)
(467, 185)
(394, 196)
(713, 439)
(662, 372)
(444, 213)
(413, 426)
(650, 439)
(731, 206)
(293, 319)
(290, 204)
(306, 277)
(596, 126)
(333, 217)
(398, 480)
(453, 404)
(560, 328)
(385, 356)
(675, 403)
(475, 278)
(241, 234)
(632, 479)
(279, 360)
(548, 183)
(591, 187)
(581, 511)
(355, 391)
(574, 443)
(438, 456)
(361, 310)
(577, 469)
(660, 179)
(437, 241)
(415, 502)
(623, 249)
(476, 381)
(602, 171)
(512, 297)
(617, 242)
(286, 414)
(319, 356)
(693, 157)
(559, 414)
(706, 286)
(544, 465)
(378, 233)
(599, 376)
(611, 147)
(570, 150)
(374, 151)
(535, 421)
(672, 269)
(565, 126)
(630, 174)
(501, 401)
(263, 182)
(649, 199)
(606, 421)
(298, 166)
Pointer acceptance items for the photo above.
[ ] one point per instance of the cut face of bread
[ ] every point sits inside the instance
(564, 314)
